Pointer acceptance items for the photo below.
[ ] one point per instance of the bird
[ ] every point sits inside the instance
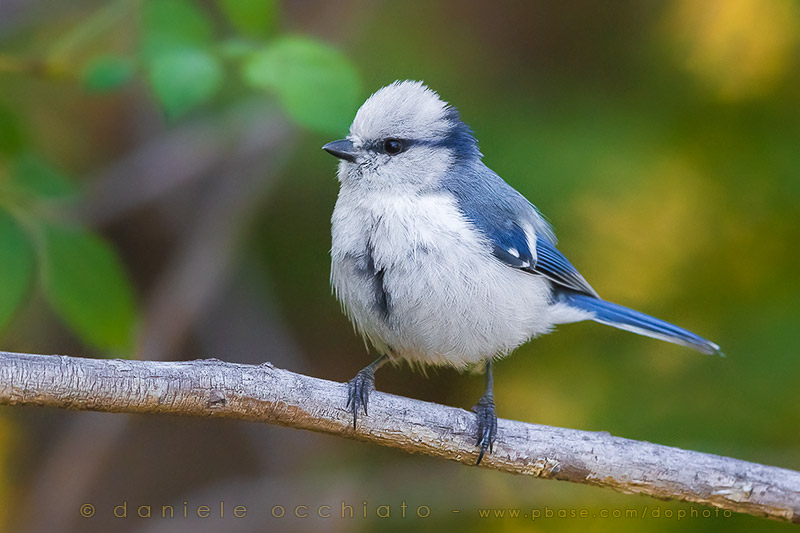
(437, 261)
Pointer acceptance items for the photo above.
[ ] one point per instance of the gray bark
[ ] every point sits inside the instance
(267, 394)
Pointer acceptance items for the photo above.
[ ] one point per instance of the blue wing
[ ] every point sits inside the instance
(552, 264)
(510, 244)
(512, 224)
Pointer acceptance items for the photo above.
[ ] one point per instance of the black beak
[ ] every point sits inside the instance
(342, 149)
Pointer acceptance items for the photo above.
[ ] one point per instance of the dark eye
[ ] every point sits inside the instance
(393, 146)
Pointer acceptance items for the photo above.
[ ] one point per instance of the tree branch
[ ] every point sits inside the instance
(267, 394)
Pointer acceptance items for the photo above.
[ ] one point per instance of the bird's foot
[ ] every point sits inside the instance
(487, 425)
(358, 390)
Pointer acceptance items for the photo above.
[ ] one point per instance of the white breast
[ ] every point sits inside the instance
(449, 301)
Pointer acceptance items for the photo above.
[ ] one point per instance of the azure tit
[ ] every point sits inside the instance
(438, 261)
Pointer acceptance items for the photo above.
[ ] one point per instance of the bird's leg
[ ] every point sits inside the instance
(359, 387)
(487, 419)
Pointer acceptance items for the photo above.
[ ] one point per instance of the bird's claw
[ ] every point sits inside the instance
(487, 425)
(358, 390)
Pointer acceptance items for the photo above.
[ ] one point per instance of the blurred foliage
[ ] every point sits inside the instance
(759, 37)
(179, 54)
(660, 138)
(81, 275)
(85, 283)
(316, 84)
(16, 269)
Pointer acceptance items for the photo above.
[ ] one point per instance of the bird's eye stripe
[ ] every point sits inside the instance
(380, 145)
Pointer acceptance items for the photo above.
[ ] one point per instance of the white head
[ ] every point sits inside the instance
(403, 138)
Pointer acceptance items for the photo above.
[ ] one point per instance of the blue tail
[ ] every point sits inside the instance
(623, 318)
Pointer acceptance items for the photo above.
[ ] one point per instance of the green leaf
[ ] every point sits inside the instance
(16, 266)
(316, 84)
(106, 73)
(12, 138)
(235, 48)
(86, 285)
(185, 78)
(34, 175)
(253, 18)
(170, 24)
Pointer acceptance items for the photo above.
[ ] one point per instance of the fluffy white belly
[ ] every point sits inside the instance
(420, 286)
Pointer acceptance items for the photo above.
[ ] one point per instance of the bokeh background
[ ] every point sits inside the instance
(163, 195)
